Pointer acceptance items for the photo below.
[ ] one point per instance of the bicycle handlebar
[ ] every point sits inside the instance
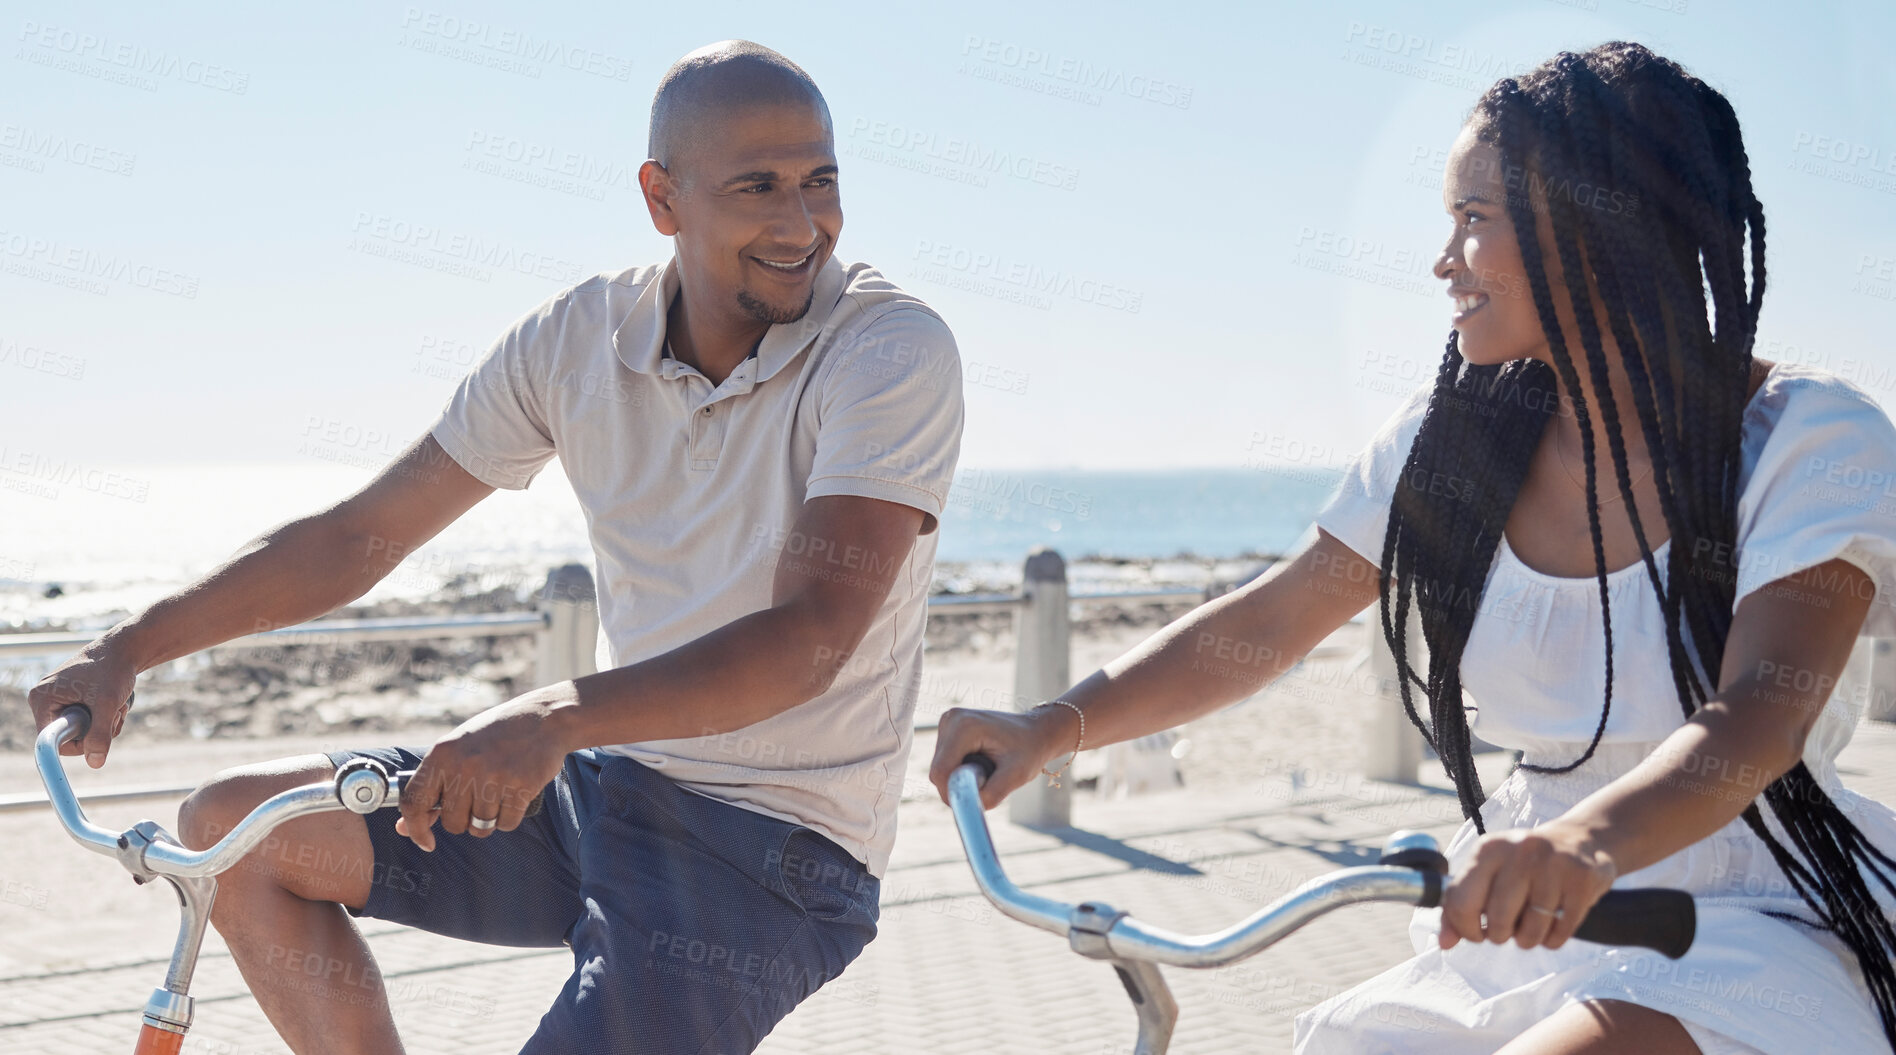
(144, 852)
(72, 724)
(361, 786)
(1662, 920)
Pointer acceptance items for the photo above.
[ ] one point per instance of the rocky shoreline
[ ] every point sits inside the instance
(367, 687)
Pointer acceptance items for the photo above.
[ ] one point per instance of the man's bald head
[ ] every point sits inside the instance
(716, 80)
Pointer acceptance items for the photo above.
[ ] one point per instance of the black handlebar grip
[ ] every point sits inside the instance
(1653, 918)
(985, 763)
(79, 717)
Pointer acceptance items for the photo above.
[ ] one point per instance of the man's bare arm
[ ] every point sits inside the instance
(824, 597)
(745, 671)
(289, 574)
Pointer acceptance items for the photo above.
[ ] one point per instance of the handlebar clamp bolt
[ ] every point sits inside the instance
(1088, 927)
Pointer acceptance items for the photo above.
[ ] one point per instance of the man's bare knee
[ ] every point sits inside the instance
(320, 857)
(220, 803)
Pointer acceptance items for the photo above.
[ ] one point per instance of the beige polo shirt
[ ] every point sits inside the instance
(691, 492)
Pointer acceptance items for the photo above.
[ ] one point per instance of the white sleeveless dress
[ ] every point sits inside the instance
(1818, 482)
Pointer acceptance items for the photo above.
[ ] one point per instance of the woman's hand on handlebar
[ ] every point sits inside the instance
(1020, 745)
(99, 678)
(1533, 886)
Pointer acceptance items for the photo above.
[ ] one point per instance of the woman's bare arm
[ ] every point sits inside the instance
(1788, 642)
(1219, 653)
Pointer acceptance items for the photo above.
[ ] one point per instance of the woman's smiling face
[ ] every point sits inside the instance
(1493, 309)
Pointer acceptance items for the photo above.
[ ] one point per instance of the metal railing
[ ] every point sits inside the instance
(321, 632)
(568, 587)
(566, 628)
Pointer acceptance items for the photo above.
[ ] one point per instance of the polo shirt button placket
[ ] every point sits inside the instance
(707, 437)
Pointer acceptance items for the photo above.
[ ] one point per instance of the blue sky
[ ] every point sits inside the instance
(225, 234)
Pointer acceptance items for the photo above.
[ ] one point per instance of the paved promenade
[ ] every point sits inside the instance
(81, 946)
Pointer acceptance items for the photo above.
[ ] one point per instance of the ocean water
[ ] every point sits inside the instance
(995, 515)
(108, 541)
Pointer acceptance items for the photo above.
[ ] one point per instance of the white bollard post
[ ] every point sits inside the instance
(566, 644)
(1043, 638)
(1142, 766)
(1392, 745)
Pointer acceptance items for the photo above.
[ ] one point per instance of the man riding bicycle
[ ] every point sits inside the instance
(761, 438)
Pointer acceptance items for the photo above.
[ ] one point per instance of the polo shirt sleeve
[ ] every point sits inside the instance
(495, 424)
(890, 415)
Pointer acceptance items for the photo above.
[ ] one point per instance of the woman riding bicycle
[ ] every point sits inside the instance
(1644, 553)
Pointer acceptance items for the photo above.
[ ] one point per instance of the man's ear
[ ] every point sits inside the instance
(661, 194)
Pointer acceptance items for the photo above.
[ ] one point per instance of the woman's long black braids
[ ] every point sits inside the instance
(1642, 174)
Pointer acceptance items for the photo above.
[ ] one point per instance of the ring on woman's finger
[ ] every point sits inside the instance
(1554, 912)
(481, 824)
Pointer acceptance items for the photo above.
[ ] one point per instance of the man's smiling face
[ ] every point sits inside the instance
(758, 211)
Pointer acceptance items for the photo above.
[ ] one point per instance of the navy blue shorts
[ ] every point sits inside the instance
(695, 925)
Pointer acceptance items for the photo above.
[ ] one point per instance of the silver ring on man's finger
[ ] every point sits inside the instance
(1557, 913)
(480, 824)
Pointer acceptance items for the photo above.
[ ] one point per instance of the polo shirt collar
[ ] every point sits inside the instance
(640, 339)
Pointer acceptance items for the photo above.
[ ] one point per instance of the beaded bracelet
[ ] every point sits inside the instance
(1053, 778)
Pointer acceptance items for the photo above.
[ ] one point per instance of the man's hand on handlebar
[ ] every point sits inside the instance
(488, 769)
(1534, 886)
(1020, 746)
(99, 678)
